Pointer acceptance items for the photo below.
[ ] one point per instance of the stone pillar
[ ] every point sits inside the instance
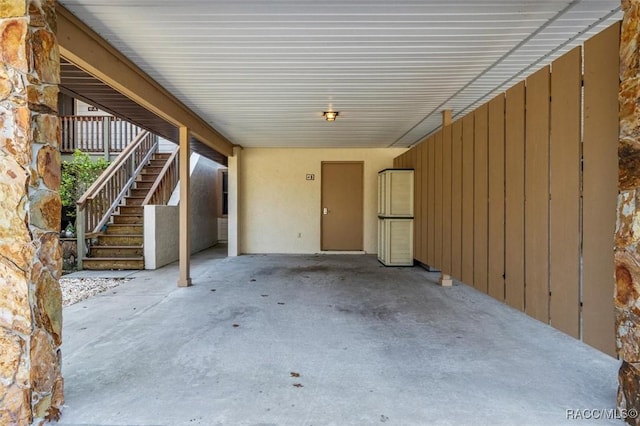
(30, 254)
(627, 241)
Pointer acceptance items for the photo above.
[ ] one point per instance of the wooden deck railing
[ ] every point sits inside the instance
(97, 204)
(165, 183)
(96, 134)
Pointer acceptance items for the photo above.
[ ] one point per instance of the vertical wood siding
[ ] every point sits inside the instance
(518, 198)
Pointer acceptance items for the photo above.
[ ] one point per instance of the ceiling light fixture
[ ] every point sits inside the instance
(330, 115)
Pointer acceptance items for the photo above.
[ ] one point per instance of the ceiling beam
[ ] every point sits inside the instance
(83, 47)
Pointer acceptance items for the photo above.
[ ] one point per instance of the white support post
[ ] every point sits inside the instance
(233, 247)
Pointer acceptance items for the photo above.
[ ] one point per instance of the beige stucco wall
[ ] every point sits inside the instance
(280, 210)
(161, 244)
(161, 223)
(204, 203)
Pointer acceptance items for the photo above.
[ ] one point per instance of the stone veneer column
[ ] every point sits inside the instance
(627, 253)
(30, 255)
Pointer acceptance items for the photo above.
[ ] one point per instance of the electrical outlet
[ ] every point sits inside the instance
(311, 176)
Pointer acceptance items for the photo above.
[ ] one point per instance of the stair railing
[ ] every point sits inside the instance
(96, 134)
(96, 206)
(161, 190)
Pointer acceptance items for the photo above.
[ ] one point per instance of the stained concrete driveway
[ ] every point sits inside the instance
(319, 340)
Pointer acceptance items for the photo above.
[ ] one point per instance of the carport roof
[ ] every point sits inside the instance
(262, 72)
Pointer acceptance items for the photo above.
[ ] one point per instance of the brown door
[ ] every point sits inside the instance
(342, 205)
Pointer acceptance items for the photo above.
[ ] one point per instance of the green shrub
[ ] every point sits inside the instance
(77, 176)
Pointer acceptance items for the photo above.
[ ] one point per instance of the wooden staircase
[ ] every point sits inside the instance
(120, 246)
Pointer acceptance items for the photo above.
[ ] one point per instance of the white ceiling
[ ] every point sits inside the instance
(263, 71)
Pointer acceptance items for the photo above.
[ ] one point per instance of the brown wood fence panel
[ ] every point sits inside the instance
(495, 274)
(438, 201)
(467, 198)
(405, 160)
(519, 196)
(417, 204)
(514, 196)
(425, 206)
(456, 200)
(564, 244)
(600, 152)
(536, 224)
(446, 199)
(480, 198)
(431, 205)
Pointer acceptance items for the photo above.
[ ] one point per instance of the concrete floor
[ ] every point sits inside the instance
(372, 345)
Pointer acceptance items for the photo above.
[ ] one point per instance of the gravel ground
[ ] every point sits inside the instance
(75, 290)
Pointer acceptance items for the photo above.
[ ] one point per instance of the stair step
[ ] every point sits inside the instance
(139, 192)
(106, 263)
(144, 184)
(134, 201)
(120, 240)
(125, 229)
(131, 210)
(121, 219)
(117, 251)
(152, 169)
(121, 246)
(148, 177)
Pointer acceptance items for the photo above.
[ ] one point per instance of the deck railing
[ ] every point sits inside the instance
(96, 134)
(103, 197)
(165, 183)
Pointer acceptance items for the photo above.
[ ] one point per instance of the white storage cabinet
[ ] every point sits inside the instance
(395, 217)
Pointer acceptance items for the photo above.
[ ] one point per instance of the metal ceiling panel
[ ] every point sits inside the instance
(263, 71)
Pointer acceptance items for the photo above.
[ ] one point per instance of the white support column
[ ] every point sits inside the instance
(233, 247)
(185, 220)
